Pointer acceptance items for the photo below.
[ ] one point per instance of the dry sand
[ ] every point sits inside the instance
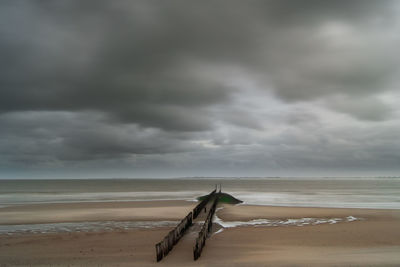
(374, 241)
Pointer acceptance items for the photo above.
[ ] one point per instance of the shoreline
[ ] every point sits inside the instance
(161, 210)
(373, 241)
(373, 206)
(95, 211)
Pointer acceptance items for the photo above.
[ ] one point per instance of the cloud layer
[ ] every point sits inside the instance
(177, 88)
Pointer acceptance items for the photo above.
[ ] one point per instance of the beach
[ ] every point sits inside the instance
(199, 133)
(358, 237)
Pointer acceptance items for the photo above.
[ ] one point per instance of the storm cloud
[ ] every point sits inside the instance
(185, 88)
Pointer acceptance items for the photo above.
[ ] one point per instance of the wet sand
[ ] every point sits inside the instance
(373, 241)
(96, 211)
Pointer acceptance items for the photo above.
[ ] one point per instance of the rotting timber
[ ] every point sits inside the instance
(205, 230)
(166, 245)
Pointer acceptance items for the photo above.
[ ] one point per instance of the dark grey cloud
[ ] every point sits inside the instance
(64, 56)
(183, 85)
(66, 136)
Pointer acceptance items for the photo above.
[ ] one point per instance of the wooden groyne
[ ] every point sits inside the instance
(205, 230)
(166, 245)
(202, 204)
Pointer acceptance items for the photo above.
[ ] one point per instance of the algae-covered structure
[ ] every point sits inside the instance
(223, 198)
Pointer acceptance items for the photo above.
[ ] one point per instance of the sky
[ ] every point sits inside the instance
(121, 89)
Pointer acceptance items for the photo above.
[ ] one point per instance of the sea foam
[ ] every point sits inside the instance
(81, 227)
(286, 222)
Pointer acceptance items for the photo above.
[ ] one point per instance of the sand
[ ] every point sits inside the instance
(373, 241)
(96, 211)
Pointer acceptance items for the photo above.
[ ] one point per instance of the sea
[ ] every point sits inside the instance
(376, 193)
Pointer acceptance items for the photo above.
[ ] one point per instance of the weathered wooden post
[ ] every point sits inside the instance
(166, 245)
(158, 252)
(205, 230)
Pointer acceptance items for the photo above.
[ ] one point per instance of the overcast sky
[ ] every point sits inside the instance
(199, 88)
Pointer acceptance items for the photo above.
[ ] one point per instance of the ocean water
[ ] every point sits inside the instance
(380, 193)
